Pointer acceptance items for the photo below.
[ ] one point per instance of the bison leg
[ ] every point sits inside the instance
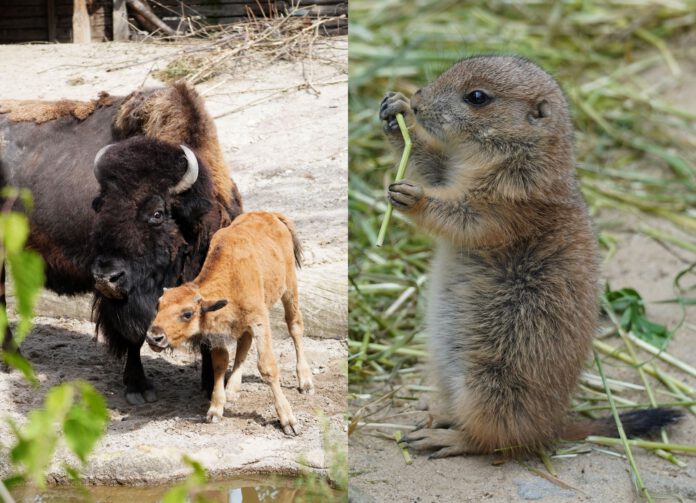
(234, 385)
(220, 360)
(293, 318)
(268, 368)
(139, 389)
(207, 380)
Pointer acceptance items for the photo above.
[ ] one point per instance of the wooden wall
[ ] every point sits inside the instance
(51, 20)
(28, 20)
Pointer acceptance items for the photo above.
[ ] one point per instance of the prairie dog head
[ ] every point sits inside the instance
(500, 106)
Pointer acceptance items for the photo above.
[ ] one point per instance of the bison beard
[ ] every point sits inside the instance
(59, 140)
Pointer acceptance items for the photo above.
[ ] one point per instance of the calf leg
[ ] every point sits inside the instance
(235, 382)
(139, 389)
(220, 360)
(207, 379)
(293, 318)
(268, 368)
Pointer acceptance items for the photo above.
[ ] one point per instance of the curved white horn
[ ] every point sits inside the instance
(191, 174)
(97, 157)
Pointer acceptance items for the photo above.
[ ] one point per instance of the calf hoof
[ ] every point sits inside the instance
(292, 429)
(307, 387)
(214, 416)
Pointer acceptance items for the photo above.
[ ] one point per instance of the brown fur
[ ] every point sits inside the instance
(158, 114)
(250, 266)
(43, 111)
(513, 301)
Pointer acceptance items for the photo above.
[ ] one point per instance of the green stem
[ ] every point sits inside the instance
(399, 175)
(643, 491)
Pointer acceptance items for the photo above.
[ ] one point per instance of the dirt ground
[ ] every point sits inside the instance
(379, 473)
(286, 144)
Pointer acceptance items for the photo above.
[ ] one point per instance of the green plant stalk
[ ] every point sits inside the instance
(643, 491)
(399, 175)
(607, 349)
(645, 444)
(651, 396)
(384, 347)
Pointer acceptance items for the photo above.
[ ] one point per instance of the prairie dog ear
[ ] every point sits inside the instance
(541, 110)
(208, 306)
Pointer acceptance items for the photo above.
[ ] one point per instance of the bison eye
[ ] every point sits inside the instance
(478, 98)
(186, 315)
(157, 217)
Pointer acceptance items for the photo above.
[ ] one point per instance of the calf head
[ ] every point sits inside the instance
(180, 316)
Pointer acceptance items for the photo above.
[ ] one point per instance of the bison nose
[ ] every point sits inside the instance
(115, 277)
(110, 277)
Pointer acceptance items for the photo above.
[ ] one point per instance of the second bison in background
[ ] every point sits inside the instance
(250, 266)
(157, 205)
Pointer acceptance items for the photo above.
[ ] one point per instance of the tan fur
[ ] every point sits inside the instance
(513, 301)
(251, 265)
(43, 111)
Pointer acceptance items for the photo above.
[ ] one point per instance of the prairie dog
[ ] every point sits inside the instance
(513, 296)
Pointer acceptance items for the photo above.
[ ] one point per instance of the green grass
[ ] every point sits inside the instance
(636, 152)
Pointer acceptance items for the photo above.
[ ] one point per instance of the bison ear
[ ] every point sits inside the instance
(207, 307)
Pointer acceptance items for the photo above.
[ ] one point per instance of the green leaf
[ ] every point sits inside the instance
(85, 422)
(15, 230)
(178, 494)
(28, 273)
(17, 361)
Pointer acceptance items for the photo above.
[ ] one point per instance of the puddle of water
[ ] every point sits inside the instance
(249, 490)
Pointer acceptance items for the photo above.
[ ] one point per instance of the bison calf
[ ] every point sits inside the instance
(250, 265)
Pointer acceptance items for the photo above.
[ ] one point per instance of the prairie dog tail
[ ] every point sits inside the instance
(296, 245)
(635, 423)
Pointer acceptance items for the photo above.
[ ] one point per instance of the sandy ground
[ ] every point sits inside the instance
(286, 145)
(377, 468)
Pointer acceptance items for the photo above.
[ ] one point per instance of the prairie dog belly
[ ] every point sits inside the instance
(507, 337)
(448, 321)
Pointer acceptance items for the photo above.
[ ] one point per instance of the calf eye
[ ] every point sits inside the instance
(186, 315)
(478, 98)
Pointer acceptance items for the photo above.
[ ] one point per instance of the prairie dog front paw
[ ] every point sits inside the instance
(395, 103)
(405, 195)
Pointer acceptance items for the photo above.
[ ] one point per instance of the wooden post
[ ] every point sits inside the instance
(51, 17)
(82, 34)
(120, 21)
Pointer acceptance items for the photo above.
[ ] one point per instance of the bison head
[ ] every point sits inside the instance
(154, 217)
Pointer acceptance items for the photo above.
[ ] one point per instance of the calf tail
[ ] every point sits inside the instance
(635, 423)
(296, 245)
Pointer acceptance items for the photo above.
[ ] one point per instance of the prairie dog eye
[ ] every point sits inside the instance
(478, 98)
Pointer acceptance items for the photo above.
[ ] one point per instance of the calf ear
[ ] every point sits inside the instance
(206, 307)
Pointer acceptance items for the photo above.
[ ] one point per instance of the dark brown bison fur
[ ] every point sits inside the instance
(50, 147)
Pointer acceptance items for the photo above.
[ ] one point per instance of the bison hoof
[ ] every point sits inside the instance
(135, 398)
(150, 395)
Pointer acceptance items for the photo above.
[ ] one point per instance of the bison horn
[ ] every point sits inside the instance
(97, 157)
(191, 174)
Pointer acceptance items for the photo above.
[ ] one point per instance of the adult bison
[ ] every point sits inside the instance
(123, 221)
